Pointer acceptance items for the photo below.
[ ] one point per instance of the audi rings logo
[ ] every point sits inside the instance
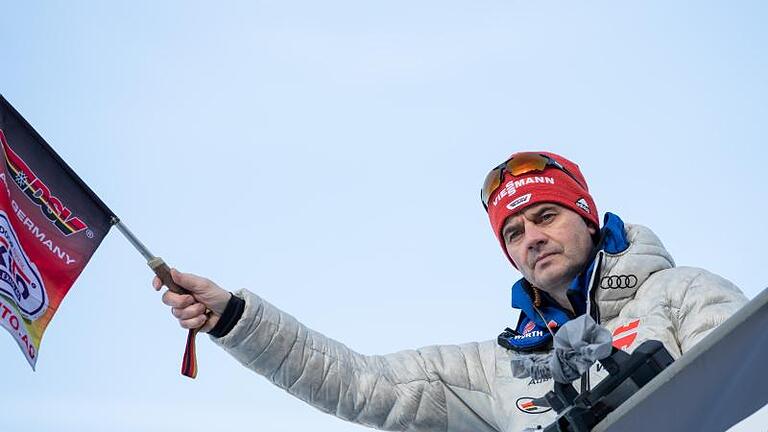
(618, 282)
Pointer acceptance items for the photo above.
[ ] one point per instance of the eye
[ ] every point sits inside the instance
(512, 235)
(547, 217)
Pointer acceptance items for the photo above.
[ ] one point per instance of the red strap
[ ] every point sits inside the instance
(189, 362)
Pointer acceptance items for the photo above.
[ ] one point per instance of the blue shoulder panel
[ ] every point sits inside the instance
(614, 237)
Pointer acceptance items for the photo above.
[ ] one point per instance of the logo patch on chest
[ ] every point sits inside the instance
(535, 381)
(624, 336)
(531, 405)
(618, 281)
(529, 327)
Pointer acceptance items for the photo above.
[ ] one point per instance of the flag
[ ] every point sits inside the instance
(50, 225)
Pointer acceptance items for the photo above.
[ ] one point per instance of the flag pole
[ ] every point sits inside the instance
(157, 264)
(132, 238)
(161, 269)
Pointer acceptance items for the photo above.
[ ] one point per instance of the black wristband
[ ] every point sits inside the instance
(230, 317)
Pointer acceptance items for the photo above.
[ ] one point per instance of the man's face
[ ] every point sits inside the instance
(549, 243)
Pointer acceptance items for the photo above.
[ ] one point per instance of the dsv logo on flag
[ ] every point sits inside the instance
(19, 277)
(40, 193)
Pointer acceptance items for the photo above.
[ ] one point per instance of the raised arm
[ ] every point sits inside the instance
(438, 388)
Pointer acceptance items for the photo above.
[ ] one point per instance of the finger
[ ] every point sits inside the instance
(156, 283)
(189, 311)
(193, 323)
(190, 282)
(210, 323)
(178, 300)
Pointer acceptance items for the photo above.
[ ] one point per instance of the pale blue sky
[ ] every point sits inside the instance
(328, 156)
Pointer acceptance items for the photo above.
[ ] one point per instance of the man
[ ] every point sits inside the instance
(547, 224)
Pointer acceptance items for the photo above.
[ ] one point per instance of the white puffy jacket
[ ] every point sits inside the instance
(470, 387)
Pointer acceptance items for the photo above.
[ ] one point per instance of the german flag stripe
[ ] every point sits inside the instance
(189, 364)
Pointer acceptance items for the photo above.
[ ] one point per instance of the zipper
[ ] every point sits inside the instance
(594, 311)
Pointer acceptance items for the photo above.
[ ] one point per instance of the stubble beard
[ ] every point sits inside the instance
(553, 275)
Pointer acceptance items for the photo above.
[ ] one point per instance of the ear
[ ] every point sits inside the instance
(592, 229)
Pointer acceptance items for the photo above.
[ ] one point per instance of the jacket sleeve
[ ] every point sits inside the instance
(413, 390)
(705, 303)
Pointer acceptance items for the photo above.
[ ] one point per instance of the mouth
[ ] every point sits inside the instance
(543, 257)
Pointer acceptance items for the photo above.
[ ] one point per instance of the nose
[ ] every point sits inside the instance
(534, 236)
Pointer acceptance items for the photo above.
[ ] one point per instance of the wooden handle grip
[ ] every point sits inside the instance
(162, 271)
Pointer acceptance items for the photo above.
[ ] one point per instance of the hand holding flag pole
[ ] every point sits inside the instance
(161, 269)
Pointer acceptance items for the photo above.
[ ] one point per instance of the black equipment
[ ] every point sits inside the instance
(627, 373)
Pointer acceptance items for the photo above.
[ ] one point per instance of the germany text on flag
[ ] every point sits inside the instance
(50, 225)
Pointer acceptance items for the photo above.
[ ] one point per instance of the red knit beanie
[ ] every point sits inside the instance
(516, 193)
